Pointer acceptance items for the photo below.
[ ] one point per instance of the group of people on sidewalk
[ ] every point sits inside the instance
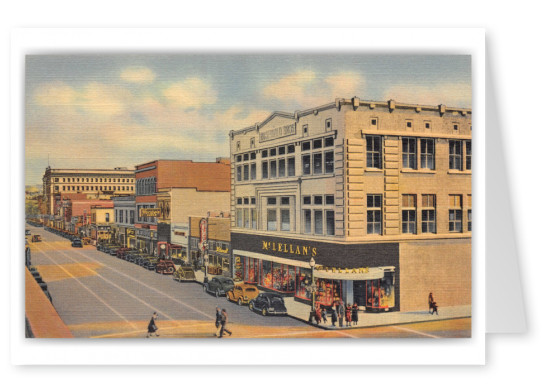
(339, 312)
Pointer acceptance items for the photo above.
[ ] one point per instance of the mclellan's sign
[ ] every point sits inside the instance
(289, 248)
(282, 131)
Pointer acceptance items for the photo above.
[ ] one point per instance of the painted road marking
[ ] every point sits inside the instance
(121, 288)
(415, 331)
(91, 291)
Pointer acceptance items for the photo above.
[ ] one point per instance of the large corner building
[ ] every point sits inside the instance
(377, 193)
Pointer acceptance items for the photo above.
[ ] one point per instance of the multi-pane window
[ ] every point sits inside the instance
(318, 168)
(253, 171)
(246, 172)
(456, 162)
(291, 166)
(409, 152)
(428, 213)
(272, 219)
(409, 221)
(319, 161)
(374, 213)
(264, 170)
(281, 167)
(306, 167)
(273, 169)
(455, 214)
(427, 153)
(320, 220)
(468, 155)
(329, 162)
(285, 219)
(374, 151)
(307, 221)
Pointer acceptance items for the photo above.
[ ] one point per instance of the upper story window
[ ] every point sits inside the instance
(409, 152)
(468, 155)
(373, 151)
(238, 146)
(252, 143)
(328, 124)
(318, 217)
(305, 130)
(455, 213)
(428, 213)
(320, 160)
(427, 153)
(409, 217)
(456, 161)
(374, 214)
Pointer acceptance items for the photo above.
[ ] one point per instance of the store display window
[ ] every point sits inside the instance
(251, 270)
(277, 276)
(303, 281)
(380, 293)
(328, 291)
(238, 268)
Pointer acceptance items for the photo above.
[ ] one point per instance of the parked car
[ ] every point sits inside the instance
(27, 232)
(242, 293)
(219, 286)
(113, 250)
(184, 273)
(36, 238)
(268, 304)
(150, 262)
(129, 255)
(165, 266)
(76, 243)
(121, 252)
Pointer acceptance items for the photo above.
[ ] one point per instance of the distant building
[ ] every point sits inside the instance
(94, 183)
(377, 194)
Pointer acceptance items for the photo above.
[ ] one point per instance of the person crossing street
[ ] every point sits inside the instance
(223, 321)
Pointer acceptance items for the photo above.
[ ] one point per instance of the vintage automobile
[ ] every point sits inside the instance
(219, 286)
(242, 293)
(184, 273)
(36, 238)
(130, 254)
(165, 266)
(86, 240)
(27, 232)
(149, 262)
(76, 243)
(268, 304)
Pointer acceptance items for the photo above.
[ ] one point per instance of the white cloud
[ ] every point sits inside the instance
(191, 93)
(139, 75)
(451, 94)
(54, 94)
(307, 89)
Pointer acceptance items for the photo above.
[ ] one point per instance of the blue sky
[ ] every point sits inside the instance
(102, 111)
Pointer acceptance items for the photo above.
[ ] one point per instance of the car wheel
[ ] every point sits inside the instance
(264, 312)
(170, 270)
(240, 302)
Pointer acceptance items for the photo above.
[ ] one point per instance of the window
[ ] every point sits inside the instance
(264, 153)
(272, 201)
(409, 156)
(329, 200)
(427, 153)
(131, 217)
(409, 221)
(253, 171)
(468, 156)
(306, 165)
(328, 125)
(318, 222)
(273, 151)
(253, 155)
(455, 214)
(238, 146)
(329, 141)
(318, 200)
(455, 155)
(240, 217)
(427, 125)
(285, 200)
(373, 149)
(107, 217)
(281, 168)
(291, 166)
(246, 172)
(63, 188)
(409, 124)
(374, 123)
(272, 219)
(330, 222)
(285, 219)
(273, 169)
(318, 168)
(253, 218)
(264, 170)
(246, 157)
(307, 221)
(281, 151)
(307, 200)
(329, 162)
(374, 214)
(428, 213)
(305, 130)
(317, 143)
(252, 143)
(246, 218)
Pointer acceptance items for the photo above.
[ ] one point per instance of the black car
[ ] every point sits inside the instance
(219, 286)
(76, 243)
(268, 304)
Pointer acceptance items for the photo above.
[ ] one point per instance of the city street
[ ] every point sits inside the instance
(101, 296)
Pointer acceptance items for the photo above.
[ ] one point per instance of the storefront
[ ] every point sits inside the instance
(365, 274)
(179, 240)
(219, 258)
(131, 238)
(146, 240)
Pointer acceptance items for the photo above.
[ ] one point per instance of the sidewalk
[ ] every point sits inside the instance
(301, 312)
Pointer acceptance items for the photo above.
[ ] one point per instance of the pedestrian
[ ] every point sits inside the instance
(317, 314)
(340, 313)
(218, 320)
(324, 315)
(355, 314)
(333, 316)
(432, 305)
(152, 327)
(223, 321)
(348, 315)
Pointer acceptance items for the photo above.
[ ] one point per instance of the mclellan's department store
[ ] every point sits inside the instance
(378, 193)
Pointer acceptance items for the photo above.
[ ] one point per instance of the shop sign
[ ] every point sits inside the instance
(104, 228)
(203, 233)
(274, 133)
(150, 212)
(221, 250)
(130, 232)
(143, 233)
(289, 248)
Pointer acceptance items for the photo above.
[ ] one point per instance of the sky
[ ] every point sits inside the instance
(106, 111)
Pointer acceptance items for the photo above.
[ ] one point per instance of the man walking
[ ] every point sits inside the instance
(218, 320)
(152, 327)
(223, 321)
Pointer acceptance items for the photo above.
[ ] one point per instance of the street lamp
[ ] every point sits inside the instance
(206, 259)
(313, 266)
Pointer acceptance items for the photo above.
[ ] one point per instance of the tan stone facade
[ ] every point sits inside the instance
(359, 172)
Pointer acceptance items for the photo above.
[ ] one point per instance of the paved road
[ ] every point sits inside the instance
(98, 295)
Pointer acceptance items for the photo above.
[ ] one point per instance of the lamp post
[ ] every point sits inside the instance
(313, 266)
(206, 259)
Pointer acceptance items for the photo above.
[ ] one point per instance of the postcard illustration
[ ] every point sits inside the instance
(248, 196)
